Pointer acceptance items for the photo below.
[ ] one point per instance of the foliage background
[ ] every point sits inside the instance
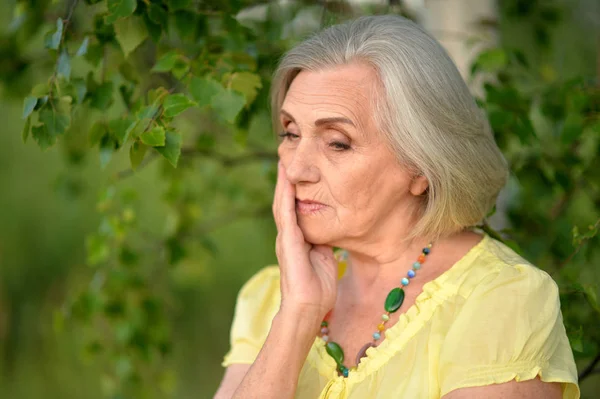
(120, 284)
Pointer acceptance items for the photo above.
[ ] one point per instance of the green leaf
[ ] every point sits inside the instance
(148, 112)
(129, 72)
(82, 50)
(26, 128)
(178, 4)
(97, 249)
(119, 9)
(246, 83)
(96, 133)
(56, 121)
(107, 148)
(591, 296)
(228, 104)
(166, 62)
(79, 89)
(64, 65)
(204, 89)
(176, 251)
(144, 118)
(52, 39)
(176, 104)
(42, 137)
(29, 105)
(156, 95)
(120, 129)
(137, 153)
(130, 33)
(172, 148)
(158, 15)
(185, 23)
(491, 60)
(40, 90)
(572, 128)
(154, 137)
(102, 96)
(154, 30)
(576, 339)
(181, 68)
(41, 101)
(95, 53)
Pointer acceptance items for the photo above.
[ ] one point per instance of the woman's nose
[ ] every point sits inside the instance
(301, 167)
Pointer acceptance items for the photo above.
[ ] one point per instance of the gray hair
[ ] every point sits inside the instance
(424, 109)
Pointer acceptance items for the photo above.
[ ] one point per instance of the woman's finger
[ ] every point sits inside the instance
(277, 198)
(287, 206)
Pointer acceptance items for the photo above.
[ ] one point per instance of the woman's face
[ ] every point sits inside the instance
(334, 154)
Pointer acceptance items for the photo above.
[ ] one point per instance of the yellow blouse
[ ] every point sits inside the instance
(491, 318)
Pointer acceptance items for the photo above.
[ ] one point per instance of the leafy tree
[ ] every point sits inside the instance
(185, 83)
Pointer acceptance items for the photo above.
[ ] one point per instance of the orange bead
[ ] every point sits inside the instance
(381, 327)
(421, 258)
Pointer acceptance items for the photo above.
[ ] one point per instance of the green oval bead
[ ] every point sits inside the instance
(394, 300)
(335, 351)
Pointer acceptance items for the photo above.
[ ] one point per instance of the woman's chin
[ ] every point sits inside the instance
(316, 233)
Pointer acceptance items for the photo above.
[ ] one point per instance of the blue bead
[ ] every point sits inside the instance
(426, 251)
(404, 281)
(416, 265)
(411, 273)
(376, 336)
(345, 372)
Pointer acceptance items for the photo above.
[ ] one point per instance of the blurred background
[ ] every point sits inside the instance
(122, 284)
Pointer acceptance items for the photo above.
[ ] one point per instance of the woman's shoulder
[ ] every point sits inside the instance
(262, 286)
(266, 276)
(496, 265)
(256, 306)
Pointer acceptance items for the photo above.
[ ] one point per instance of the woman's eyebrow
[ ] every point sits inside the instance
(323, 121)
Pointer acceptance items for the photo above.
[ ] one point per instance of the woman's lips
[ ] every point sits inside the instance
(306, 207)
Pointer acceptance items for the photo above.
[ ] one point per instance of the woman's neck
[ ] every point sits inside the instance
(380, 268)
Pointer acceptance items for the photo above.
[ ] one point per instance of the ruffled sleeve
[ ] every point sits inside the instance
(510, 328)
(257, 303)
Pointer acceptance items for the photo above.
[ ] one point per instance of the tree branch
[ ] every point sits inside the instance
(589, 369)
(226, 160)
(232, 161)
(66, 22)
(581, 243)
(491, 232)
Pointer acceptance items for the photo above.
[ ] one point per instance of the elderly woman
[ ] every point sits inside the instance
(384, 153)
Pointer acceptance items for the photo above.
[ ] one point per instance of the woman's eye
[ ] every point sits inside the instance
(338, 146)
(288, 136)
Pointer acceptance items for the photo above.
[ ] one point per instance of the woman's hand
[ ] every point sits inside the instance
(308, 272)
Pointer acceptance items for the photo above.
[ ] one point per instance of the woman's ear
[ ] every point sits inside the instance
(419, 185)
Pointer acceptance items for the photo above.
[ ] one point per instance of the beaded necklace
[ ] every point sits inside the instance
(392, 303)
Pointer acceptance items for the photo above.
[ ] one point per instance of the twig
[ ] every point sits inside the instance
(491, 232)
(224, 159)
(66, 22)
(232, 161)
(581, 243)
(590, 368)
